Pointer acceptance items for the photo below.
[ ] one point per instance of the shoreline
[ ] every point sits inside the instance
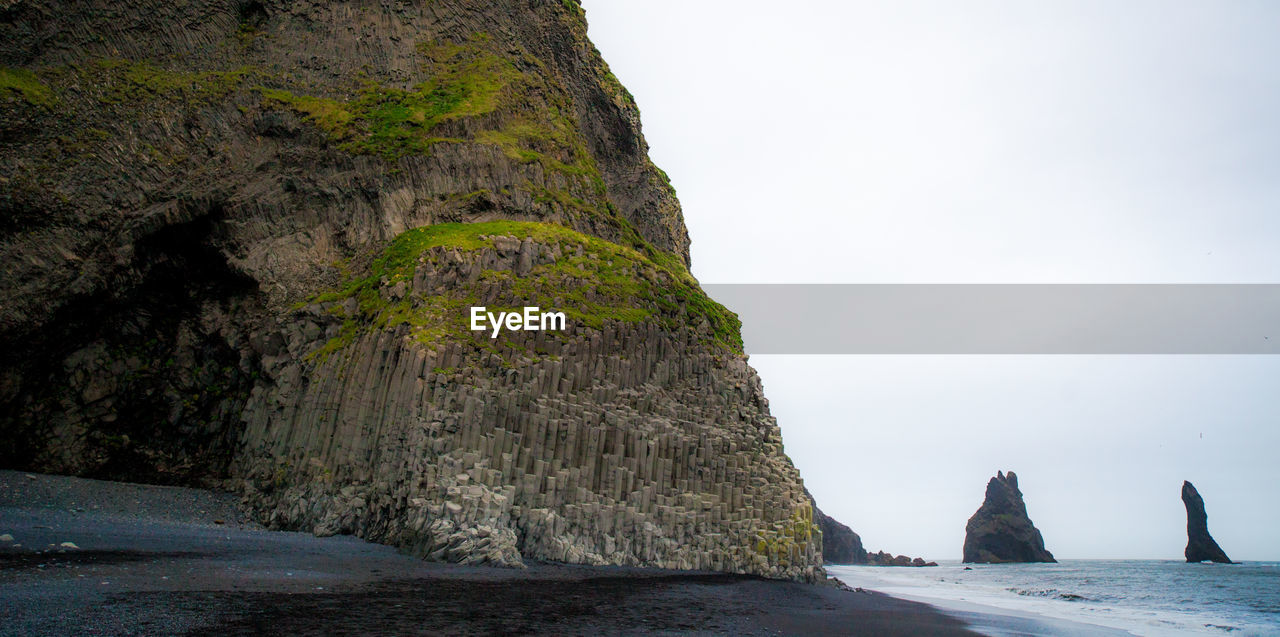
(166, 560)
(988, 619)
(1086, 597)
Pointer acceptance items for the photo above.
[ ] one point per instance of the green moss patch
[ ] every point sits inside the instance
(512, 100)
(542, 141)
(27, 85)
(509, 99)
(133, 82)
(466, 80)
(593, 282)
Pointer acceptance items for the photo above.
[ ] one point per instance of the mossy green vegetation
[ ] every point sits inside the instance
(575, 10)
(329, 115)
(593, 282)
(112, 81)
(26, 84)
(133, 82)
(508, 98)
(92, 102)
(529, 141)
(612, 86)
(514, 100)
(663, 179)
(465, 80)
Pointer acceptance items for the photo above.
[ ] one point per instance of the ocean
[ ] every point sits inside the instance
(1144, 597)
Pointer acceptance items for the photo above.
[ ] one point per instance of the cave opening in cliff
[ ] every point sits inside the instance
(252, 14)
(144, 378)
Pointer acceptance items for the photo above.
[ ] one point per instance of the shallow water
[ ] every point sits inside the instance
(1146, 597)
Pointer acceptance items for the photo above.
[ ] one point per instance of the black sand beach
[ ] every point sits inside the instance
(162, 560)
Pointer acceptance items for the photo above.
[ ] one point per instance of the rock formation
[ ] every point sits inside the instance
(1200, 545)
(881, 558)
(1000, 530)
(840, 545)
(240, 240)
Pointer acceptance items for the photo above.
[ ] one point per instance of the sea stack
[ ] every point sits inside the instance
(1200, 545)
(1000, 530)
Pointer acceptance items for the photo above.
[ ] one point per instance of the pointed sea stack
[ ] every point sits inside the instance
(1200, 545)
(1000, 530)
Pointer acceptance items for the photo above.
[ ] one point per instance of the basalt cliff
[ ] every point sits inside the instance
(1000, 530)
(1201, 546)
(240, 239)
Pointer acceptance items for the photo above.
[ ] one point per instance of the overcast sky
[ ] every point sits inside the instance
(993, 142)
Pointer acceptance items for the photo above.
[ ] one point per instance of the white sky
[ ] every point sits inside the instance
(995, 142)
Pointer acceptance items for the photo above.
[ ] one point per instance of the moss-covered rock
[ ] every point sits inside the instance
(239, 244)
(26, 85)
(591, 280)
(634, 436)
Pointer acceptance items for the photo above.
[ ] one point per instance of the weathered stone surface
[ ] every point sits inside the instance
(840, 545)
(880, 558)
(1201, 546)
(172, 185)
(1000, 530)
(633, 444)
(184, 183)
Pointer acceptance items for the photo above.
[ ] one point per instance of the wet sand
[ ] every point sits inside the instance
(162, 560)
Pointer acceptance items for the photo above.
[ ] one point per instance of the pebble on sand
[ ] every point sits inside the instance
(69, 545)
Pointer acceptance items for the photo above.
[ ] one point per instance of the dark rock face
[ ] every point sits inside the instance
(881, 558)
(1000, 530)
(211, 276)
(840, 545)
(503, 449)
(178, 176)
(1201, 546)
